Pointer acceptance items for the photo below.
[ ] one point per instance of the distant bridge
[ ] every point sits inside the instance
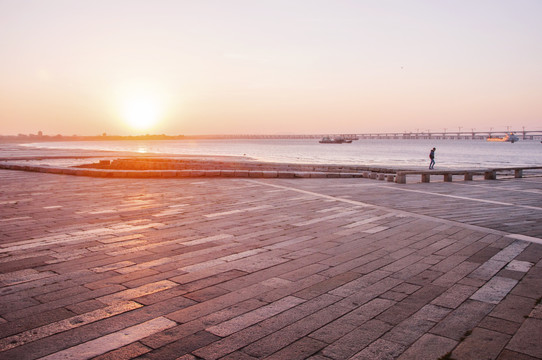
(428, 135)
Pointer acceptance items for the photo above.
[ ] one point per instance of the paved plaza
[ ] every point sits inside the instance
(217, 268)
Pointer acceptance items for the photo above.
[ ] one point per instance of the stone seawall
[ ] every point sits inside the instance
(198, 164)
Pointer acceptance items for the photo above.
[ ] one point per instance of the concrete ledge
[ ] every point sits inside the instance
(212, 173)
(489, 174)
(227, 173)
(286, 174)
(255, 174)
(270, 174)
(241, 173)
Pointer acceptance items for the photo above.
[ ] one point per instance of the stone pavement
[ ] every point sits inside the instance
(316, 269)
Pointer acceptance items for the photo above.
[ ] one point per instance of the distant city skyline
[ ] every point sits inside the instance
(126, 67)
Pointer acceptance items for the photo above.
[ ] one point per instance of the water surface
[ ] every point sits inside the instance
(393, 153)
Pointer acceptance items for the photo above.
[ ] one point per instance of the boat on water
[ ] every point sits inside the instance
(509, 137)
(334, 140)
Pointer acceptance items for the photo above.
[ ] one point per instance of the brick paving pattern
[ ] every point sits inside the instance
(216, 268)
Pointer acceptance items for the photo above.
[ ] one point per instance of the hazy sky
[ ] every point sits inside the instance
(273, 67)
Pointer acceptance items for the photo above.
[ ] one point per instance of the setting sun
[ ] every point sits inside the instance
(141, 113)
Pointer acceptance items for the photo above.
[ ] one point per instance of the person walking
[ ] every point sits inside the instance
(432, 157)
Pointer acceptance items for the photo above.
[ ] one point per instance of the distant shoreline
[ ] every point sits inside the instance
(474, 135)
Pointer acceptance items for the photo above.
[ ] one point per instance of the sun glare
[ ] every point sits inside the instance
(141, 113)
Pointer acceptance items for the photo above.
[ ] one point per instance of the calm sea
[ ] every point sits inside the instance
(393, 153)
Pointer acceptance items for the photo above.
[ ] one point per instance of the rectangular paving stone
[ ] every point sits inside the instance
(380, 349)
(499, 260)
(407, 288)
(205, 294)
(499, 325)
(358, 284)
(512, 355)
(255, 316)
(143, 290)
(191, 327)
(111, 279)
(291, 331)
(351, 320)
(113, 341)
(425, 277)
(495, 290)
(536, 312)
(529, 285)
(67, 324)
(299, 350)
(218, 303)
(454, 275)
(514, 308)
(356, 340)
(223, 347)
(511, 251)
(114, 239)
(183, 346)
(371, 292)
(527, 339)
(464, 318)
(432, 313)
(59, 303)
(22, 276)
(409, 330)
(292, 288)
(521, 266)
(8, 328)
(488, 269)
(402, 263)
(429, 346)
(411, 304)
(304, 272)
(126, 352)
(481, 344)
(455, 296)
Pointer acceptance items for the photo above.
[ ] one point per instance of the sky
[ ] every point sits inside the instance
(129, 67)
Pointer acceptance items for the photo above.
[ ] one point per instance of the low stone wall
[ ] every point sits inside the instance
(229, 173)
(195, 164)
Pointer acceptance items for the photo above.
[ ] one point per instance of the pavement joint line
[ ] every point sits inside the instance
(525, 238)
(484, 186)
(403, 212)
(353, 202)
(467, 198)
